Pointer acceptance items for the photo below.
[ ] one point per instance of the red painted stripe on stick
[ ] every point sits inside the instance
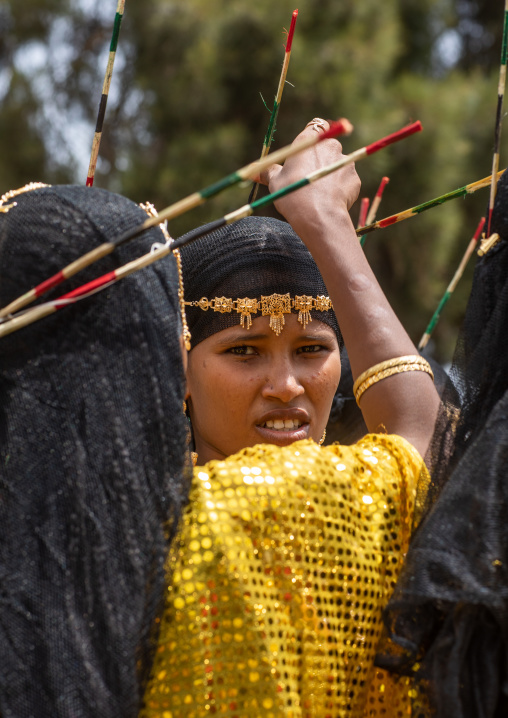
(478, 232)
(491, 211)
(364, 208)
(339, 127)
(291, 31)
(49, 284)
(382, 186)
(394, 137)
(90, 286)
(388, 221)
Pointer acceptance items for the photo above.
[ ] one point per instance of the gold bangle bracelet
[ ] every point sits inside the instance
(387, 364)
(388, 368)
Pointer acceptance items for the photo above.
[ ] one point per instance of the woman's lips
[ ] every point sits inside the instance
(284, 429)
(282, 424)
(283, 436)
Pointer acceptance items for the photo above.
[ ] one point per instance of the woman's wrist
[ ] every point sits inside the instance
(329, 229)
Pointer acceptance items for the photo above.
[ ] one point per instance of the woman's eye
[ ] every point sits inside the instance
(243, 350)
(311, 349)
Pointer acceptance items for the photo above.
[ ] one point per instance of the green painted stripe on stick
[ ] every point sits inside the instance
(504, 49)
(271, 125)
(220, 185)
(116, 32)
(280, 193)
(461, 192)
(437, 313)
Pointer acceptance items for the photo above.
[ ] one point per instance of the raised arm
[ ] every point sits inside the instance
(404, 403)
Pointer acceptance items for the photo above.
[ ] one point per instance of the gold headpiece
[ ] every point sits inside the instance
(15, 192)
(152, 212)
(275, 306)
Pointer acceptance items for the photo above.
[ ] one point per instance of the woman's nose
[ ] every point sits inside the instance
(282, 382)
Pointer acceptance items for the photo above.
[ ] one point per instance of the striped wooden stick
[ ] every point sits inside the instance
(29, 316)
(375, 205)
(105, 92)
(377, 200)
(25, 318)
(451, 287)
(364, 208)
(499, 116)
(406, 214)
(278, 97)
(355, 156)
(250, 171)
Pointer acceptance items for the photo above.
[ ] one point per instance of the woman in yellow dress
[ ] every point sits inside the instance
(288, 552)
(285, 555)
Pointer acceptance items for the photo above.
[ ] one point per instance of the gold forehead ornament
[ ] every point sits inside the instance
(274, 305)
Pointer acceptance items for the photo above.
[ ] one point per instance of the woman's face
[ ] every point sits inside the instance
(246, 387)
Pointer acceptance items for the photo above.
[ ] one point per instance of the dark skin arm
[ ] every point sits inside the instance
(405, 404)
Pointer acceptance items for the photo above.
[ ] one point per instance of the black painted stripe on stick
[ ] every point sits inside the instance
(102, 113)
(497, 135)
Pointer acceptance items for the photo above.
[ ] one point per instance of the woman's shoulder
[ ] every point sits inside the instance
(376, 457)
(393, 451)
(378, 445)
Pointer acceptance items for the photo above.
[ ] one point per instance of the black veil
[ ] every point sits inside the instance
(448, 617)
(92, 461)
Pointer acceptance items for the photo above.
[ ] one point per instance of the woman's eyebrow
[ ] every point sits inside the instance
(317, 337)
(245, 338)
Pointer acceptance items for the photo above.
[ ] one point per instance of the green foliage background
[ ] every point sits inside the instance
(185, 109)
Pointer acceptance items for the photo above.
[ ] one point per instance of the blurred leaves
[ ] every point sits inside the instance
(185, 109)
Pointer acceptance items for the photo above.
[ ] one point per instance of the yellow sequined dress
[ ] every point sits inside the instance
(284, 561)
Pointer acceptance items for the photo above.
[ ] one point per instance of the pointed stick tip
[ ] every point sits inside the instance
(382, 186)
(342, 126)
(423, 342)
(406, 131)
(291, 31)
(364, 208)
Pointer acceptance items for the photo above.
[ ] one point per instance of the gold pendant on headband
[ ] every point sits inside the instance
(224, 305)
(303, 305)
(275, 306)
(246, 307)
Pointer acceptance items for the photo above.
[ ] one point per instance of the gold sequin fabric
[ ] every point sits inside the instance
(284, 562)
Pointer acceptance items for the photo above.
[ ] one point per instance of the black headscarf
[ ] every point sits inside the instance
(252, 257)
(449, 612)
(92, 456)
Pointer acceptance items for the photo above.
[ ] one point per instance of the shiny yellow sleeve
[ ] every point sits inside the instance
(284, 561)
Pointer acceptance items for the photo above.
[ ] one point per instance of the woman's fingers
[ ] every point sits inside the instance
(300, 162)
(269, 175)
